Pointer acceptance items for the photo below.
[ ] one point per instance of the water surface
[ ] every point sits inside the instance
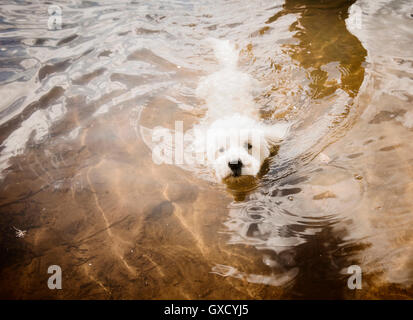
(78, 176)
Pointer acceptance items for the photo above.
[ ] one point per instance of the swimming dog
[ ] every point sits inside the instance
(232, 136)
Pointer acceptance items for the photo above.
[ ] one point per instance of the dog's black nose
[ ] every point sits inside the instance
(235, 167)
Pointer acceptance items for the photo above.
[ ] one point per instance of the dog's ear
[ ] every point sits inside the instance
(276, 132)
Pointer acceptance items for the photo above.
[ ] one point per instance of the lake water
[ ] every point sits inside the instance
(77, 173)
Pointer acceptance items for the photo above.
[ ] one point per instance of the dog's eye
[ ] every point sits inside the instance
(248, 146)
(221, 149)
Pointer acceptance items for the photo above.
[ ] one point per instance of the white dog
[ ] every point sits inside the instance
(232, 136)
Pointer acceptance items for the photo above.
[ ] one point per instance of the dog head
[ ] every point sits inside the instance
(238, 145)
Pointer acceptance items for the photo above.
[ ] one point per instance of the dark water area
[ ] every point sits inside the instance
(79, 188)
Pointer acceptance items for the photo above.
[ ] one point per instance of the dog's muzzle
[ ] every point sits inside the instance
(235, 167)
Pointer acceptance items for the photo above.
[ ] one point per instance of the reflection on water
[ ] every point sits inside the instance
(331, 62)
(78, 177)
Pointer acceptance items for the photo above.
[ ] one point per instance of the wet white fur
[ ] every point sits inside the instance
(232, 118)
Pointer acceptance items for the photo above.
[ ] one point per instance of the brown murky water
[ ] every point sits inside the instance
(77, 176)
